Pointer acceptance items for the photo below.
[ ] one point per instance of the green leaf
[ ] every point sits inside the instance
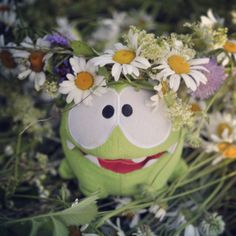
(81, 49)
(104, 72)
(59, 229)
(35, 227)
(80, 214)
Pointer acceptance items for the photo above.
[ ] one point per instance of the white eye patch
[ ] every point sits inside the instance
(142, 126)
(90, 126)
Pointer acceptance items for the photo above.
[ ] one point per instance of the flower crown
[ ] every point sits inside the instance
(174, 67)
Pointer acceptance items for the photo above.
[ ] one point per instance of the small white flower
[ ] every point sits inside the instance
(66, 29)
(210, 20)
(221, 127)
(229, 51)
(221, 135)
(34, 60)
(7, 62)
(160, 89)
(117, 227)
(7, 14)
(158, 211)
(122, 201)
(76, 202)
(109, 29)
(175, 66)
(83, 228)
(190, 230)
(84, 83)
(126, 60)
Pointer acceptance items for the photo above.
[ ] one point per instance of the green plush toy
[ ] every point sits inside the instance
(119, 143)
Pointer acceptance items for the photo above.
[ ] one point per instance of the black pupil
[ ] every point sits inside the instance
(127, 110)
(108, 111)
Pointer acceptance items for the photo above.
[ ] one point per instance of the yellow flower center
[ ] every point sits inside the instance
(178, 64)
(230, 47)
(195, 107)
(7, 59)
(124, 56)
(228, 150)
(36, 61)
(223, 126)
(84, 80)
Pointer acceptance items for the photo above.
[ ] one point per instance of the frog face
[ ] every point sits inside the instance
(119, 143)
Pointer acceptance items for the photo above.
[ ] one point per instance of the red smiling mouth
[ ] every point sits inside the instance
(124, 166)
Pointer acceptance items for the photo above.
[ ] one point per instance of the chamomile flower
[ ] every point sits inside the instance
(175, 65)
(66, 29)
(34, 60)
(222, 127)
(211, 20)
(109, 29)
(126, 60)
(8, 64)
(221, 134)
(229, 52)
(158, 212)
(161, 89)
(197, 105)
(7, 14)
(83, 83)
(191, 230)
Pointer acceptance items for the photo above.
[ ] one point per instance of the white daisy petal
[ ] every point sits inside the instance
(198, 76)
(116, 71)
(199, 61)
(143, 61)
(174, 82)
(201, 68)
(41, 78)
(24, 74)
(190, 83)
(70, 77)
(65, 90)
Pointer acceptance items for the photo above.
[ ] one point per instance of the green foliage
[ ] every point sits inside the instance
(57, 223)
(81, 48)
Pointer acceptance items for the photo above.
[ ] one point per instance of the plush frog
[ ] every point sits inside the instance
(119, 143)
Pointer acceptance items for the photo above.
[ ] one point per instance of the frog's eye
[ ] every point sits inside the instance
(90, 126)
(141, 125)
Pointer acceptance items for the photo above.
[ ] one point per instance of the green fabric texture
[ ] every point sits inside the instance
(93, 178)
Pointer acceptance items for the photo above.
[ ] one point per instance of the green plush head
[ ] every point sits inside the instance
(119, 143)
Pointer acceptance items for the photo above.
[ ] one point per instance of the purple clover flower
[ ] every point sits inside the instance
(62, 70)
(215, 78)
(58, 40)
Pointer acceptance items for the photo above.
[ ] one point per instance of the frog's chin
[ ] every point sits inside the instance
(124, 165)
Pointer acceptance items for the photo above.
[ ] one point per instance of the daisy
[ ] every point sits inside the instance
(125, 60)
(7, 14)
(35, 58)
(229, 51)
(158, 212)
(134, 216)
(210, 20)
(196, 105)
(175, 65)
(221, 135)
(161, 89)
(83, 83)
(67, 29)
(109, 29)
(8, 64)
